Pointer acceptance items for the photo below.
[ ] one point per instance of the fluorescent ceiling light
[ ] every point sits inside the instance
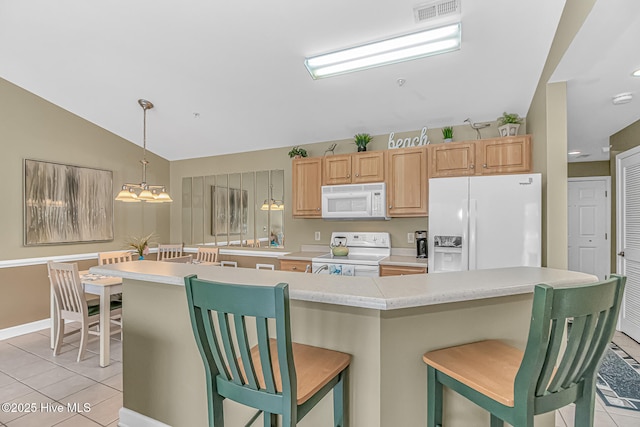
(398, 49)
(636, 73)
(575, 152)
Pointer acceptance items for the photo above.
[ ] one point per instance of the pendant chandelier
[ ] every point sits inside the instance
(144, 192)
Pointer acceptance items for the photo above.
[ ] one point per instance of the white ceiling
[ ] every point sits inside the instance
(597, 66)
(240, 66)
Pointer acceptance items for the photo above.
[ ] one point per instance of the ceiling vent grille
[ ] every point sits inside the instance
(440, 9)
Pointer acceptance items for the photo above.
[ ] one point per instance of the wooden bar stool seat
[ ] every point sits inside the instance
(275, 376)
(512, 385)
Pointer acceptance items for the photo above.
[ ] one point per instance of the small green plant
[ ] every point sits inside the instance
(297, 151)
(362, 139)
(509, 118)
(447, 132)
(140, 244)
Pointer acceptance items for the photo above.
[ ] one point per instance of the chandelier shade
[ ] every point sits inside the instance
(144, 192)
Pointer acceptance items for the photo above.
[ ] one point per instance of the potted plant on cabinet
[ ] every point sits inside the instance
(447, 133)
(297, 152)
(361, 140)
(509, 124)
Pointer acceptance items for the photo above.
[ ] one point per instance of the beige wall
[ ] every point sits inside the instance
(301, 231)
(549, 148)
(32, 128)
(585, 169)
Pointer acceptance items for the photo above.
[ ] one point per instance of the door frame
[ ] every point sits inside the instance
(607, 182)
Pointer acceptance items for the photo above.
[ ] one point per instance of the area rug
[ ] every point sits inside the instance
(619, 379)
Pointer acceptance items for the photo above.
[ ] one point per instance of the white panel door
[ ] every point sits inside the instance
(505, 221)
(628, 237)
(589, 225)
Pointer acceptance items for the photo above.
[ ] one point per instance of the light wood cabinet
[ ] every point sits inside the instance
(295, 265)
(353, 168)
(307, 191)
(452, 159)
(407, 185)
(483, 157)
(397, 270)
(504, 155)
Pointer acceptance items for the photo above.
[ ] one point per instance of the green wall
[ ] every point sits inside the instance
(584, 169)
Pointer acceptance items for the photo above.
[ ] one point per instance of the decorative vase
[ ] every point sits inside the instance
(362, 148)
(510, 129)
(448, 139)
(140, 257)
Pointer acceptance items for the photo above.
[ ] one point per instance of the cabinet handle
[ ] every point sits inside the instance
(294, 268)
(484, 166)
(317, 209)
(390, 207)
(471, 166)
(349, 175)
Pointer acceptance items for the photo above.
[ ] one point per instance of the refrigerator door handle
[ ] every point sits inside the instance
(473, 244)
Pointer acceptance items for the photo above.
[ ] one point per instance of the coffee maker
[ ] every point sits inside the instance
(421, 244)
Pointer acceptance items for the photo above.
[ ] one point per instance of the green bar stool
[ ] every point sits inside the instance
(275, 376)
(514, 385)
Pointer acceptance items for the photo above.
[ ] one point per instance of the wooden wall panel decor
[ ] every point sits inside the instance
(66, 204)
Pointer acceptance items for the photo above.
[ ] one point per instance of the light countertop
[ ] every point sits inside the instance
(399, 260)
(380, 293)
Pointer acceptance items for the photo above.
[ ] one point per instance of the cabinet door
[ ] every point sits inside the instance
(368, 167)
(407, 182)
(306, 194)
(505, 155)
(295, 265)
(337, 169)
(452, 159)
(397, 270)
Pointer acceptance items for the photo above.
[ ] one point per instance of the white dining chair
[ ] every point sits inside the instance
(265, 267)
(207, 254)
(185, 259)
(229, 264)
(71, 304)
(105, 258)
(169, 251)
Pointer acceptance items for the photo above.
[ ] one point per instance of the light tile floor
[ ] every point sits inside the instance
(30, 374)
(43, 390)
(607, 416)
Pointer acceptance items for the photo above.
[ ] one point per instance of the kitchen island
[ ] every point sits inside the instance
(386, 323)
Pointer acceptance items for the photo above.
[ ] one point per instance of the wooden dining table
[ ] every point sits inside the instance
(104, 287)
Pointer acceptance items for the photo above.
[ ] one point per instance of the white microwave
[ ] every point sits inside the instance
(354, 201)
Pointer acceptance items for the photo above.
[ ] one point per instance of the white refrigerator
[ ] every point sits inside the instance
(484, 222)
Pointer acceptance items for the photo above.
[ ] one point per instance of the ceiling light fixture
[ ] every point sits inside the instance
(574, 153)
(390, 51)
(272, 205)
(636, 73)
(144, 192)
(622, 98)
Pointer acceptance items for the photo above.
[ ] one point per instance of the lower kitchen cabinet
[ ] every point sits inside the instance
(295, 265)
(397, 270)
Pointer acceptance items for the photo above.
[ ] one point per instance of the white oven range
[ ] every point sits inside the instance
(366, 250)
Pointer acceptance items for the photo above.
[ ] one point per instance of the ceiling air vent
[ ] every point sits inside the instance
(439, 9)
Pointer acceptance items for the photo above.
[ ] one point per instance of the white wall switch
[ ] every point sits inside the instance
(411, 238)
(317, 235)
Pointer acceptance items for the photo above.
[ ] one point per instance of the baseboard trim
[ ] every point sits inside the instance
(129, 418)
(27, 328)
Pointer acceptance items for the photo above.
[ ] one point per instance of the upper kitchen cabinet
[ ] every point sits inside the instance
(452, 159)
(504, 155)
(354, 168)
(307, 182)
(407, 182)
(481, 157)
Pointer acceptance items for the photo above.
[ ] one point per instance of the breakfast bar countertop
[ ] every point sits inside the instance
(381, 293)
